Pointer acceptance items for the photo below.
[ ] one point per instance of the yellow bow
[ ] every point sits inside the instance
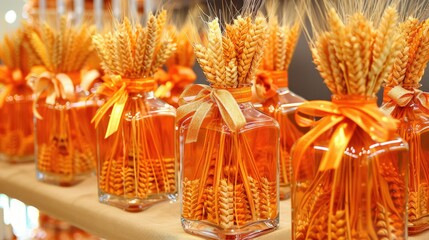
(401, 97)
(54, 85)
(118, 88)
(199, 100)
(179, 76)
(343, 118)
(11, 80)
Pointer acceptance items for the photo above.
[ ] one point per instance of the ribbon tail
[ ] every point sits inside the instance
(103, 109)
(197, 121)
(337, 145)
(116, 115)
(229, 109)
(309, 138)
(6, 92)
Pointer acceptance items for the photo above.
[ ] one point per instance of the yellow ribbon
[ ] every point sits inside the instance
(401, 97)
(119, 88)
(53, 85)
(199, 100)
(268, 82)
(11, 79)
(177, 76)
(342, 117)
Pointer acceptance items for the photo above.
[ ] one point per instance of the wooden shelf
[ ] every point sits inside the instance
(79, 206)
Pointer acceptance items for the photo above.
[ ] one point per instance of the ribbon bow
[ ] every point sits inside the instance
(401, 97)
(54, 85)
(179, 76)
(268, 82)
(11, 79)
(343, 118)
(200, 100)
(119, 88)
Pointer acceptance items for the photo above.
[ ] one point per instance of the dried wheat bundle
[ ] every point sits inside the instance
(283, 34)
(409, 65)
(355, 53)
(233, 58)
(12, 52)
(62, 50)
(184, 55)
(134, 51)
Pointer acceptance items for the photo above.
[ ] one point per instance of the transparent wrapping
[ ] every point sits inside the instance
(16, 127)
(230, 179)
(363, 197)
(136, 164)
(65, 140)
(414, 128)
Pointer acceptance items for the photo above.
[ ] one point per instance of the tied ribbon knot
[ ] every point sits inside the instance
(401, 97)
(343, 117)
(177, 76)
(11, 79)
(119, 89)
(199, 100)
(268, 82)
(53, 85)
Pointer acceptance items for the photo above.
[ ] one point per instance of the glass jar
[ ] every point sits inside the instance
(364, 195)
(282, 107)
(230, 179)
(414, 128)
(136, 164)
(16, 127)
(65, 139)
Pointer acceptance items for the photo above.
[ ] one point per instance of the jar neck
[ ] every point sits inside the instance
(280, 79)
(241, 94)
(357, 100)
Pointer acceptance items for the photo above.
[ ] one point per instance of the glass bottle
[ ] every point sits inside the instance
(65, 139)
(414, 128)
(136, 164)
(229, 180)
(16, 127)
(282, 108)
(364, 197)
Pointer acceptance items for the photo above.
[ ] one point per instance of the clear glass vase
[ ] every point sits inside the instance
(229, 180)
(414, 128)
(65, 140)
(364, 197)
(16, 126)
(282, 107)
(136, 164)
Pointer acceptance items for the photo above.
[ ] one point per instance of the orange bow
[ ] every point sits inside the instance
(11, 79)
(199, 100)
(268, 82)
(343, 117)
(54, 85)
(179, 76)
(118, 88)
(401, 97)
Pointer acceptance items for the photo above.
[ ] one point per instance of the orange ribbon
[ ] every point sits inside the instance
(11, 80)
(54, 85)
(342, 116)
(177, 76)
(199, 100)
(119, 89)
(268, 82)
(401, 97)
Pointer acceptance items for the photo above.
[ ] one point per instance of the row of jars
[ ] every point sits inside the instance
(229, 181)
